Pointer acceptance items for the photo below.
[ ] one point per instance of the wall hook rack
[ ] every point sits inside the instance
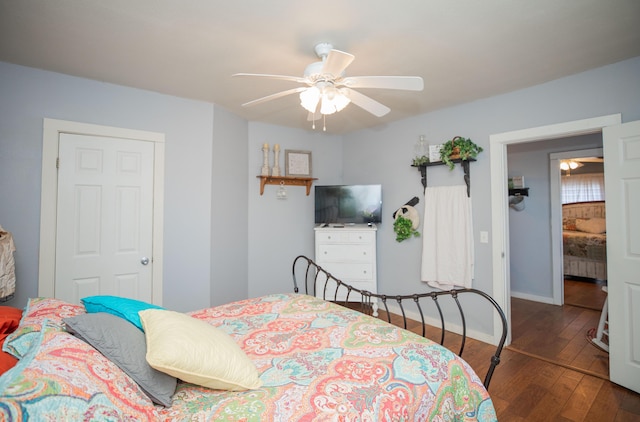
(465, 167)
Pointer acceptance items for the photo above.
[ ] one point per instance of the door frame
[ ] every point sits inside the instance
(52, 129)
(499, 196)
(555, 191)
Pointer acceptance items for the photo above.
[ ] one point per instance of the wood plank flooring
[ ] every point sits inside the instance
(566, 382)
(558, 334)
(584, 293)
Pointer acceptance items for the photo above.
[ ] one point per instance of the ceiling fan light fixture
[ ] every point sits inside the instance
(341, 101)
(569, 165)
(333, 102)
(309, 99)
(327, 106)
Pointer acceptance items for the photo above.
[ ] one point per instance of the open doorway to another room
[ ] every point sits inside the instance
(538, 287)
(535, 233)
(584, 253)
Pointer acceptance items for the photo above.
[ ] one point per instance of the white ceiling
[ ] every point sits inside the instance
(463, 49)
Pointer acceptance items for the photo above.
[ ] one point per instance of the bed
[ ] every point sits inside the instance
(294, 357)
(584, 240)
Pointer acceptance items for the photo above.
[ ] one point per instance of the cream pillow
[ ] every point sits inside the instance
(591, 225)
(196, 352)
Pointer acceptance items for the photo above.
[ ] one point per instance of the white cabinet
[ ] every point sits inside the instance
(349, 254)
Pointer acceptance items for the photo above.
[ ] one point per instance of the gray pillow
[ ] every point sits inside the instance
(125, 345)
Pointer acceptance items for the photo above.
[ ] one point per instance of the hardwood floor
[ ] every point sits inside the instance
(566, 382)
(558, 334)
(584, 293)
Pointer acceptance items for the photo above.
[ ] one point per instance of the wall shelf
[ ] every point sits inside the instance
(463, 163)
(286, 180)
(518, 191)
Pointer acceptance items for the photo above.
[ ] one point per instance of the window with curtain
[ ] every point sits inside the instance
(583, 188)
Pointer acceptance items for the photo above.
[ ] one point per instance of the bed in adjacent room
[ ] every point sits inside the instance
(584, 240)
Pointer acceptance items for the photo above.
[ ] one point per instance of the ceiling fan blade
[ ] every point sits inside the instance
(336, 62)
(274, 96)
(407, 83)
(366, 103)
(281, 77)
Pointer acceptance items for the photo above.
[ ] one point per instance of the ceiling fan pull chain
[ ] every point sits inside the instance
(324, 122)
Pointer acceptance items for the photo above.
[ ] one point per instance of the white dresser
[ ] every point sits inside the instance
(349, 253)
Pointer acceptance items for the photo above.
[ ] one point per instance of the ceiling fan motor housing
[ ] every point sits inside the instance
(323, 49)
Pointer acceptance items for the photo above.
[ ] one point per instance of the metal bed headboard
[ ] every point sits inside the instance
(315, 276)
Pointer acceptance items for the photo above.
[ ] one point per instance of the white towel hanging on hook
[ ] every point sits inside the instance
(447, 248)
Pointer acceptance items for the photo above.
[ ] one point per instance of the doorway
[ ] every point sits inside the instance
(582, 182)
(562, 138)
(499, 175)
(53, 129)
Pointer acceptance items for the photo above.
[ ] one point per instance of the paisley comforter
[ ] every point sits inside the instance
(317, 361)
(320, 361)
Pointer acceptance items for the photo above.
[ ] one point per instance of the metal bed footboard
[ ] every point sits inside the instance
(317, 279)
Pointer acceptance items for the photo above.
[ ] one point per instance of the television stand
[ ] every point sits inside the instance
(348, 252)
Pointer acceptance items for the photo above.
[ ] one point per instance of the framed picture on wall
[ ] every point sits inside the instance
(297, 163)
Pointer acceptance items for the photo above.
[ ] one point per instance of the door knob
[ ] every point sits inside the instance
(144, 260)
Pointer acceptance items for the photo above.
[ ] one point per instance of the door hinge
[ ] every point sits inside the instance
(57, 162)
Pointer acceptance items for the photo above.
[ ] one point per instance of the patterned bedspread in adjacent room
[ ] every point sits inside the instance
(585, 245)
(319, 361)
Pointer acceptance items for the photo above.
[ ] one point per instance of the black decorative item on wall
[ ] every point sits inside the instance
(406, 220)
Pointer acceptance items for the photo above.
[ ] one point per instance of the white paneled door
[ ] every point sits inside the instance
(622, 187)
(104, 234)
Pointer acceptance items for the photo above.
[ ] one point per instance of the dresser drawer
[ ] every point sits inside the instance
(351, 273)
(331, 252)
(338, 236)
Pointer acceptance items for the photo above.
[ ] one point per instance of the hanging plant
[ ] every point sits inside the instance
(458, 147)
(404, 229)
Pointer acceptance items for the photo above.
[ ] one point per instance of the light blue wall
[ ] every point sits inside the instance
(28, 95)
(229, 208)
(213, 158)
(385, 154)
(280, 230)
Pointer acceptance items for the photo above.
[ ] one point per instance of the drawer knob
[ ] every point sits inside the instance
(328, 237)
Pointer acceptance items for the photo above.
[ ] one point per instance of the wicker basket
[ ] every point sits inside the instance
(456, 150)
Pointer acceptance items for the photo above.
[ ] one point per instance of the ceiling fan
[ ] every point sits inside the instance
(327, 90)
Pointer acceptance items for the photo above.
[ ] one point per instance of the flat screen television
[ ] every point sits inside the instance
(348, 204)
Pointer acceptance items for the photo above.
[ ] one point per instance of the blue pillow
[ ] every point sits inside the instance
(119, 306)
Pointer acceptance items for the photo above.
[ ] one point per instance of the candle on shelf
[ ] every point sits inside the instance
(265, 159)
(276, 159)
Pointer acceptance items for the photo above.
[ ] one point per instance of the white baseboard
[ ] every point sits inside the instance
(533, 298)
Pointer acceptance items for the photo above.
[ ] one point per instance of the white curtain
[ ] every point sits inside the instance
(583, 188)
